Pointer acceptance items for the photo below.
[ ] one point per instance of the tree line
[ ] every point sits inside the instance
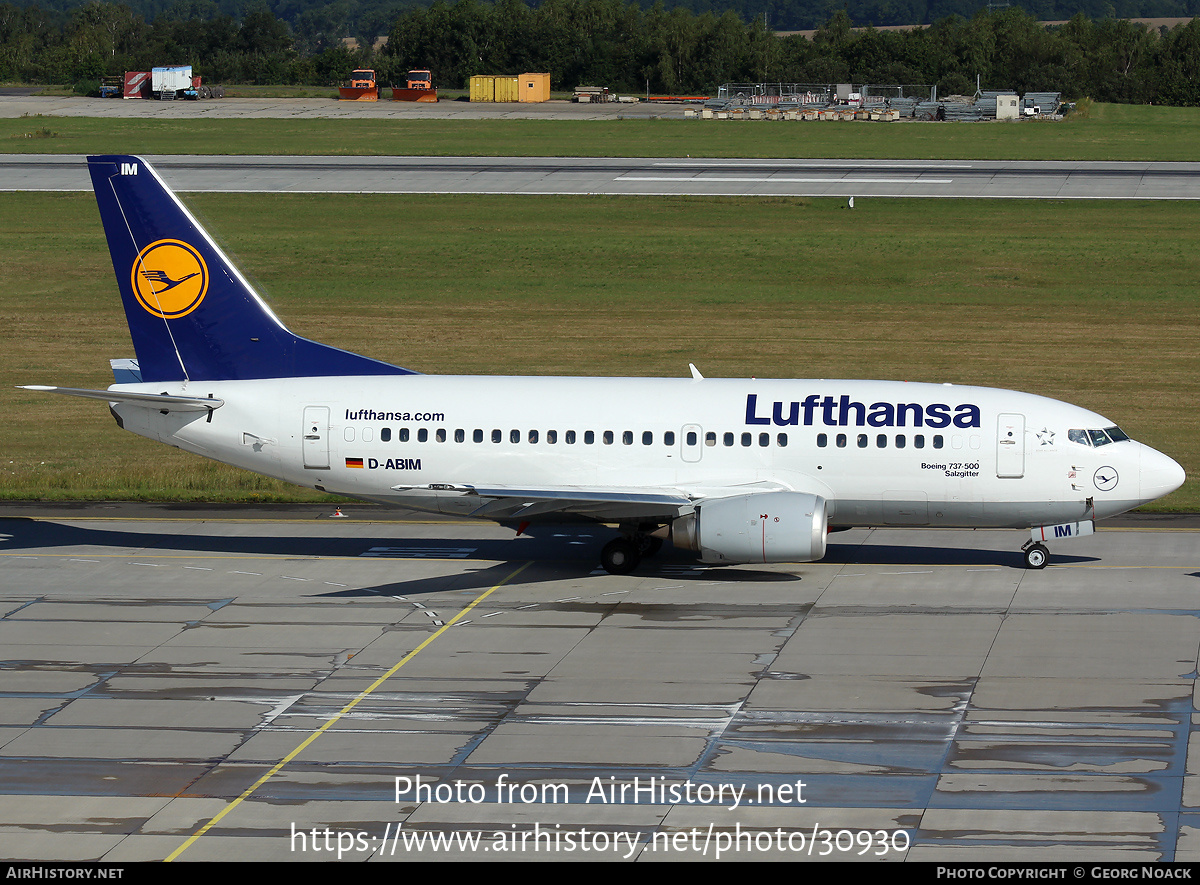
(372, 18)
(611, 43)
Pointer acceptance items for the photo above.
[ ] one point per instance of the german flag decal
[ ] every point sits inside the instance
(354, 462)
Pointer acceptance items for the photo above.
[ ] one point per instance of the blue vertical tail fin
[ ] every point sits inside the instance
(192, 315)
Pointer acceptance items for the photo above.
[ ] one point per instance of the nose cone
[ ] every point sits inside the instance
(1160, 475)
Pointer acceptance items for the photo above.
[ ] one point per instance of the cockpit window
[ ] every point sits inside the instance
(1097, 438)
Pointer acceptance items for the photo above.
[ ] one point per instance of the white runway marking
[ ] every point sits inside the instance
(776, 179)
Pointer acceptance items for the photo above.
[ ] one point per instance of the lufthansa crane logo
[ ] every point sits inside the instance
(170, 278)
(1105, 479)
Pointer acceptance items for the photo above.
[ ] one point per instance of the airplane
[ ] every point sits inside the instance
(736, 470)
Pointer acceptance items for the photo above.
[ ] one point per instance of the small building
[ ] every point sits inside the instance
(534, 87)
(1008, 107)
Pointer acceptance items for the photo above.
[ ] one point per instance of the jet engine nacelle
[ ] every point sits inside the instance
(767, 527)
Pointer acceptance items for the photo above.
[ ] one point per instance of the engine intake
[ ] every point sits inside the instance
(766, 527)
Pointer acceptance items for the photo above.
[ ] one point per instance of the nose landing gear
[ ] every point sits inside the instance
(1037, 554)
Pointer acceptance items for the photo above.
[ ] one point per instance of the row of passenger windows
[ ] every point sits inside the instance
(570, 437)
(863, 440)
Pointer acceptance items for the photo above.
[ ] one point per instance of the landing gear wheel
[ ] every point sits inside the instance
(620, 556)
(1037, 556)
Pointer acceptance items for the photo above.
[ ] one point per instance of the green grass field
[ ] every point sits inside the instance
(1091, 302)
(1109, 132)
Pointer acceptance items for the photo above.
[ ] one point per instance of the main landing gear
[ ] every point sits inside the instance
(622, 555)
(1037, 554)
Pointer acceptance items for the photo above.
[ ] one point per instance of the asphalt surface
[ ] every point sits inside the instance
(662, 176)
(917, 695)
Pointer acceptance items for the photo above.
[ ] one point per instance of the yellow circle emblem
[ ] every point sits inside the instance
(170, 278)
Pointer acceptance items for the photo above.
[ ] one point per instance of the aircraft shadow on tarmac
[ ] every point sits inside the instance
(570, 549)
(895, 554)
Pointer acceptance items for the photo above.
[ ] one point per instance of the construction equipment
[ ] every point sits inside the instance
(360, 87)
(420, 88)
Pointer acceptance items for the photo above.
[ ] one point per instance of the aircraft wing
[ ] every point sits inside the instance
(600, 503)
(595, 502)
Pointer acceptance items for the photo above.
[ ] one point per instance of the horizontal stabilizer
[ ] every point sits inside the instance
(161, 401)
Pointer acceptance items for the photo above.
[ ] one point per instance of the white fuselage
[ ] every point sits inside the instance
(880, 453)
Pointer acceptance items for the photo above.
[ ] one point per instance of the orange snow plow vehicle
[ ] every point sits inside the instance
(420, 88)
(360, 87)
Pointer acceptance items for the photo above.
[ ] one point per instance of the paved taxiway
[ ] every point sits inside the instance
(993, 179)
(914, 682)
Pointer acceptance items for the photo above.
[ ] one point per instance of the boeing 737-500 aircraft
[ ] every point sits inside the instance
(740, 471)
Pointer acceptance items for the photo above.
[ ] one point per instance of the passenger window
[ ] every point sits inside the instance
(589, 437)
(478, 435)
(514, 436)
(551, 437)
(862, 441)
(385, 434)
(608, 437)
(822, 440)
(764, 439)
(691, 438)
(900, 441)
(669, 438)
(746, 439)
(781, 440)
(647, 438)
(919, 441)
(366, 434)
(441, 434)
(938, 442)
(403, 434)
(497, 435)
(881, 441)
(627, 438)
(460, 435)
(533, 436)
(841, 440)
(570, 437)
(710, 439)
(422, 435)
(728, 439)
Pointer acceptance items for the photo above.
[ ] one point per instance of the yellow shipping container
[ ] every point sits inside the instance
(535, 87)
(506, 89)
(483, 88)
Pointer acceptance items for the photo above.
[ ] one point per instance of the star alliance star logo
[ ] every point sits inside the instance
(1046, 436)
